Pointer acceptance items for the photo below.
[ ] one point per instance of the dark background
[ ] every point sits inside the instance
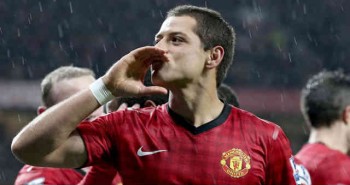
(280, 44)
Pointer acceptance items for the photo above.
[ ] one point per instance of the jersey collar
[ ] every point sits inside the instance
(178, 119)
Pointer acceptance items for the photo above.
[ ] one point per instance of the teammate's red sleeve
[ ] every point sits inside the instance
(43, 175)
(101, 174)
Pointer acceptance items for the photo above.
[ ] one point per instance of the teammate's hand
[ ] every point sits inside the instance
(125, 77)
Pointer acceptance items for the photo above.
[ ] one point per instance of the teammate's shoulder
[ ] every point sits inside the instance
(248, 116)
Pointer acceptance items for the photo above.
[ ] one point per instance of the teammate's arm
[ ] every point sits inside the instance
(50, 139)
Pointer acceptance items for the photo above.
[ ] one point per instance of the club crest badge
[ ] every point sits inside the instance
(235, 163)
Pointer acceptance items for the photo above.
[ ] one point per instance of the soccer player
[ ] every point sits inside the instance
(56, 87)
(325, 103)
(193, 139)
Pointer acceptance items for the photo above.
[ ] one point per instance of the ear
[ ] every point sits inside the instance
(41, 109)
(150, 103)
(346, 115)
(215, 57)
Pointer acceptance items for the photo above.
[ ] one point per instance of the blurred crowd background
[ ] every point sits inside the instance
(280, 44)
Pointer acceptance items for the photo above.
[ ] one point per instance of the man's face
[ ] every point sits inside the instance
(184, 51)
(68, 87)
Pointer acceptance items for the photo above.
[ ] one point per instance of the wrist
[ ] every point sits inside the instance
(101, 92)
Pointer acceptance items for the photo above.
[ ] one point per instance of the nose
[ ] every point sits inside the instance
(161, 44)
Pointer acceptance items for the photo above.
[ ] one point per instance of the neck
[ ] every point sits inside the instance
(334, 137)
(199, 104)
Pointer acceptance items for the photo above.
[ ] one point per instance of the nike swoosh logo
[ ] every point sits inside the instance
(142, 153)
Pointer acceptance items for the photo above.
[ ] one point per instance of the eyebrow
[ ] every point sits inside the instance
(171, 34)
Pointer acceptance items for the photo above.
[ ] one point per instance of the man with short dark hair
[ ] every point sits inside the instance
(325, 103)
(193, 139)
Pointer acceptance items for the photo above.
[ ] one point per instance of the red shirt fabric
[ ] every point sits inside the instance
(48, 176)
(325, 165)
(103, 174)
(157, 146)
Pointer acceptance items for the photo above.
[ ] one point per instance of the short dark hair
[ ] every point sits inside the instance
(228, 95)
(212, 30)
(325, 97)
(57, 75)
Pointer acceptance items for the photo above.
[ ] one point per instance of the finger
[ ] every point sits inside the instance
(153, 90)
(149, 54)
(123, 106)
(136, 106)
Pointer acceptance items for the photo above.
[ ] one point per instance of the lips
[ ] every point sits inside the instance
(156, 65)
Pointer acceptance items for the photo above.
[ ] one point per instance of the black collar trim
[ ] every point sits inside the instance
(197, 130)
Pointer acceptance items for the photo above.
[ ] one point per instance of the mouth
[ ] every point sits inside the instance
(156, 65)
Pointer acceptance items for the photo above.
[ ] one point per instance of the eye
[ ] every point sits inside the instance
(176, 40)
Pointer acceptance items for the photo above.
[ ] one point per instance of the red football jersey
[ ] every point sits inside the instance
(325, 165)
(43, 175)
(157, 146)
(102, 174)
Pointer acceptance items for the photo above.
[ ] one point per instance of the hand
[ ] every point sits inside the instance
(125, 77)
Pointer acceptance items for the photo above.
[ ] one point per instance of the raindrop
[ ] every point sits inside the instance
(275, 134)
(104, 47)
(205, 4)
(60, 31)
(18, 32)
(337, 37)
(0, 31)
(99, 20)
(23, 61)
(250, 33)
(290, 57)
(13, 64)
(309, 37)
(295, 41)
(153, 13)
(29, 21)
(161, 14)
(60, 45)
(40, 7)
(8, 53)
(304, 9)
(97, 68)
(70, 7)
(258, 74)
(282, 97)
(115, 44)
(89, 60)
(30, 72)
(19, 118)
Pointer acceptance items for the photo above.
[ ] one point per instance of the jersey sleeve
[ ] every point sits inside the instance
(44, 175)
(279, 160)
(97, 136)
(101, 174)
